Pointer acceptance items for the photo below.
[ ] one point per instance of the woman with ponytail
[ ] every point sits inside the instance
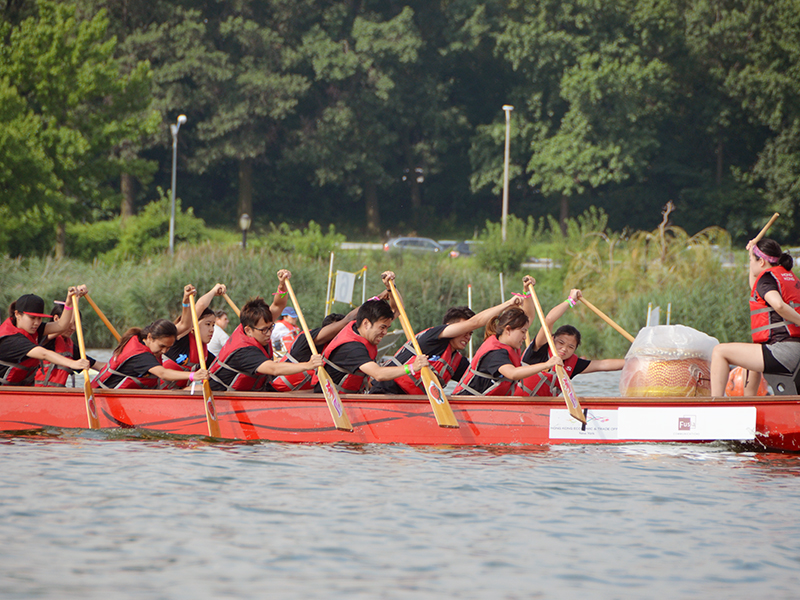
(136, 361)
(774, 322)
(496, 367)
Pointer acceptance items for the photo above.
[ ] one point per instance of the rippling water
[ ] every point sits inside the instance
(106, 515)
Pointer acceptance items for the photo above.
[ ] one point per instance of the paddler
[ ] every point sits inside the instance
(22, 333)
(496, 367)
(136, 361)
(50, 374)
(182, 356)
(567, 339)
(774, 322)
(350, 357)
(245, 362)
(443, 345)
(300, 351)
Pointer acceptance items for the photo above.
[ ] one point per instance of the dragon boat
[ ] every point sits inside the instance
(762, 423)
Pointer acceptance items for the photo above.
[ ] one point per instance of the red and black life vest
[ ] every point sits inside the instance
(242, 382)
(760, 311)
(500, 387)
(445, 367)
(298, 381)
(134, 347)
(351, 382)
(52, 375)
(23, 372)
(545, 383)
(192, 363)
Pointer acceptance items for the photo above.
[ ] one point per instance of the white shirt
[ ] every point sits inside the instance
(217, 340)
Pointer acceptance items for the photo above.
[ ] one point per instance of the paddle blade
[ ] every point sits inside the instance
(570, 397)
(211, 410)
(91, 404)
(335, 406)
(436, 396)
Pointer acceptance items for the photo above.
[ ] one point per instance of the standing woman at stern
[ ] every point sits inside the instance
(22, 333)
(774, 322)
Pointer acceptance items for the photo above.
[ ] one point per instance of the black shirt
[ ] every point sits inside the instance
(489, 364)
(431, 345)
(534, 357)
(14, 348)
(180, 351)
(348, 357)
(136, 366)
(246, 360)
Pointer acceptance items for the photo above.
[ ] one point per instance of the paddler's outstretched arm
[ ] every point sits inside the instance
(554, 315)
(509, 371)
(202, 303)
(279, 299)
(379, 373)
(175, 375)
(57, 327)
(327, 333)
(270, 367)
(479, 320)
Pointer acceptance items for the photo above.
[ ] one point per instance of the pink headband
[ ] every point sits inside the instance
(770, 259)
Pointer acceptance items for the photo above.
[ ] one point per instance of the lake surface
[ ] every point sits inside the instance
(87, 514)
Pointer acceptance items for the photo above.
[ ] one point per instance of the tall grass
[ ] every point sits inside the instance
(618, 275)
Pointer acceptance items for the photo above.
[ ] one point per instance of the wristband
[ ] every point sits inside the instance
(67, 307)
(413, 372)
(279, 293)
(185, 305)
(408, 370)
(571, 302)
(191, 376)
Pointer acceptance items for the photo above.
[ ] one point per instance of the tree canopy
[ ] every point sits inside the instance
(387, 116)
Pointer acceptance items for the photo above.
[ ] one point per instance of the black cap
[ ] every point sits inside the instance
(32, 305)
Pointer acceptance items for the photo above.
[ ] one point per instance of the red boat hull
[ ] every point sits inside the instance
(385, 419)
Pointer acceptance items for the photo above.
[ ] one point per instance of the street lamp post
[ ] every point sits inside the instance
(244, 225)
(507, 108)
(174, 129)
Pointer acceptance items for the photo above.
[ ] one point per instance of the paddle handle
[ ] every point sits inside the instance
(605, 318)
(300, 316)
(433, 388)
(103, 318)
(208, 397)
(766, 227)
(404, 322)
(91, 406)
(340, 419)
(540, 314)
(196, 325)
(79, 331)
(231, 304)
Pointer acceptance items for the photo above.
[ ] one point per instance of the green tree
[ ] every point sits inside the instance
(64, 84)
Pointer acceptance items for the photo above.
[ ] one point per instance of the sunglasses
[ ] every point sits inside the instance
(264, 330)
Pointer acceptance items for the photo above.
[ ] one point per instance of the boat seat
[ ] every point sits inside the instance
(784, 385)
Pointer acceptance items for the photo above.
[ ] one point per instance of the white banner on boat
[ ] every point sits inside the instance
(687, 423)
(600, 425)
(657, 423)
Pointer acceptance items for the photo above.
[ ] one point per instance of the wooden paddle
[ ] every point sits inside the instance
(88, 392)
(335, 407)
(208, 397)
(231, 304)
(570, 397)
(436, 396)
(605, 318)
(763, 232)
(103, 318)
